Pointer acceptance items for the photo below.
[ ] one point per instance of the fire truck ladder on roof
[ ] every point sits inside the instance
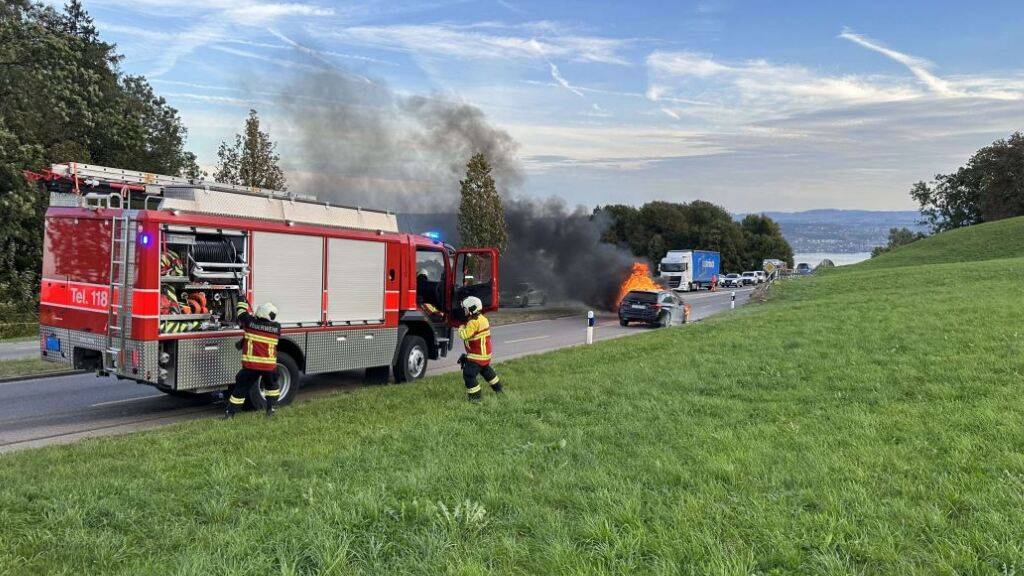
(118, 315)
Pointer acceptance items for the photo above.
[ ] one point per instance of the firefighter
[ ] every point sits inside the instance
(476, 333)
(259, 356)
(424, 288)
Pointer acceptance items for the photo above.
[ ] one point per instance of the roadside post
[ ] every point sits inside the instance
(732, 300)
(590, 327)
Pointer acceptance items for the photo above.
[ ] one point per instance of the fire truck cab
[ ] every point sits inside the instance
(142, 274)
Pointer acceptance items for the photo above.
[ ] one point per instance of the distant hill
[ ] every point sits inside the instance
(842, 231)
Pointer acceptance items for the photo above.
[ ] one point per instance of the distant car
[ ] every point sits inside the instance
(749, 278)
(651, 307)
(762, 277)
(525, 294)
(732, 281)
(803, 268)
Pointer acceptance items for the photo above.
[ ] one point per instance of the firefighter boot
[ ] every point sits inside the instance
(475, 396)
(492, 378)
(271, 406)
(234, 405)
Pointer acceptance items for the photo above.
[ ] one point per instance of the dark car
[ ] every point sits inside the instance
(651, 307)
(525, 294)
(803, 268)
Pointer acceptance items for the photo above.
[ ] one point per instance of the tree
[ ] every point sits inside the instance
(989, 187)
(762, 240)
(63, 99)
(251, 160)
(481, 216)
(657, 227)
(897, 237)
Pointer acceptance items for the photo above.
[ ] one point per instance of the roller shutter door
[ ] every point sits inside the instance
(355, 281)
(288, 271)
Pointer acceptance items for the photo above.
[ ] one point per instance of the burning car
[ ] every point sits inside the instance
(655, 308)
(641, 299)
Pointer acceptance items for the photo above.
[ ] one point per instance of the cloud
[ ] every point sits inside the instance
(917, 66)
(700, 83)
(991, 88)
(562, 81)
(486, 40)
(216, 22)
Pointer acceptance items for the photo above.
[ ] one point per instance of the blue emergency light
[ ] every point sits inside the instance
(145, 239)
(433, 235)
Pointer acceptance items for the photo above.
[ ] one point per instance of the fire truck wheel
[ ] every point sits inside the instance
(412, 359)
(287, 381)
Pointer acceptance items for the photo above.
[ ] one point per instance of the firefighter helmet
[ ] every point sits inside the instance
(267, 311)
(472, 305)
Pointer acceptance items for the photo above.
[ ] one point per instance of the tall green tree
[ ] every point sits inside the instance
(64, 99)
(989, 187)
(481, 215)
(657, 227)
(251, 160)
(762, 238)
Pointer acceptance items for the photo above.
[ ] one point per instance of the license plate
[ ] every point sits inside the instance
(640, 306)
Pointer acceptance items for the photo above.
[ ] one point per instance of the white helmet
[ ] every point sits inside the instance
(267, 311)
(472, 305)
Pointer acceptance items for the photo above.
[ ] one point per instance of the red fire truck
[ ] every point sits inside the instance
(141, 274)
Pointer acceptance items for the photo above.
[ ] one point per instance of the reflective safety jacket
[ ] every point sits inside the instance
(259, 343)
(477, 335)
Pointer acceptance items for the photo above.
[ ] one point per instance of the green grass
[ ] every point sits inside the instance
(27, 367)
(865, 421)
(1000, 239)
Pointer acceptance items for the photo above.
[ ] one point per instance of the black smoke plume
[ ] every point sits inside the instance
(561, 252)
(361, 144)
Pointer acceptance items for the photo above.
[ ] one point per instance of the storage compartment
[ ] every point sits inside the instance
(355, 281)
(202, 275)
(288, 271)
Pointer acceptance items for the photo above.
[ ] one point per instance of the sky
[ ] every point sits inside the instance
(768, 105)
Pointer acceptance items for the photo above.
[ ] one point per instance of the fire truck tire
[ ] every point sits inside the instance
(411, 363)
(287, 380)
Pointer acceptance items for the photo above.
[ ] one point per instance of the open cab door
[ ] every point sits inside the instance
(475, 274)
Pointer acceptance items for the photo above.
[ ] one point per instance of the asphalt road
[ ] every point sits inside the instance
(19, 349)
(67, 408)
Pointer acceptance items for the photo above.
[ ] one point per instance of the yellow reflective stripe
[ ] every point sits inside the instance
(478, 357)
(473, 390)
(495, 381)
(273, 393)
(258, 359)
(234, 400)
(263, 339)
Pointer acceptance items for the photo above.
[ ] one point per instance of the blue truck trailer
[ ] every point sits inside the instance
(686, 270)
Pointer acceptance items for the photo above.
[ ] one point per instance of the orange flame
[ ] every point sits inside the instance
(638, 279)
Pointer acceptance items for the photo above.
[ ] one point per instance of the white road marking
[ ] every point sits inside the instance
(526, 339)
(126, 400)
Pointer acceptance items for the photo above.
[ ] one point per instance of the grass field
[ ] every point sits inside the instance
(865, 421)
(27, 367)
